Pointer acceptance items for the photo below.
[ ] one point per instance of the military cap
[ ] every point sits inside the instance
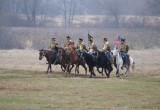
(105, 39)
(123, 39)
(68, 37)
(80, 39)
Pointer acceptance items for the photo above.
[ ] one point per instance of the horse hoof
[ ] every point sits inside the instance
(117, 76)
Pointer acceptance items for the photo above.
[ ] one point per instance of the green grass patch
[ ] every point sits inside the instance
(33, 90)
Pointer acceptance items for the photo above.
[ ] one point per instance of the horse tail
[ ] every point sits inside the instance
(133, 66)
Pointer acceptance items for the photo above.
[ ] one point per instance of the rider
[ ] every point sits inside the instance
(81, 47)
(92, 48)
(124, 50)
(54, 48)
(67, 42)
(106, 48)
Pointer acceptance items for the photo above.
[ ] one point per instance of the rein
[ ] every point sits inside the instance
(45, 53)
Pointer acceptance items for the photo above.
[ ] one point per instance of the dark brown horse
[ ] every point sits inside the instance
(63, 59)
(49, 54)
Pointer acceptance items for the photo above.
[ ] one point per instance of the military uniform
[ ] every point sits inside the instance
(81, 47)
(122, 47)
(54, 48)
(106, 46)
(67, 42)
(106, 49)
(124, 50)
(53, 45)
(92, 47)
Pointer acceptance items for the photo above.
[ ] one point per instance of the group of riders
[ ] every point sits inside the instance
(69, 45)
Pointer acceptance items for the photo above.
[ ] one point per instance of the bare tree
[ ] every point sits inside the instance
(44, 11)
(31, 10)
(68, 8)
(112, 7)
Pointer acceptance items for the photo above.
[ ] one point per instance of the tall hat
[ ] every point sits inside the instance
(122, 39)
(80, 39)
(68, 37)
(53, 38)
(90, 37)
(105, 39)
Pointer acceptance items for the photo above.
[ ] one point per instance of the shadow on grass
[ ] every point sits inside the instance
(71, 75)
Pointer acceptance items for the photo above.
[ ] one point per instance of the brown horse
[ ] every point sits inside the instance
(77, 60)
(63, 59)
(49, 54)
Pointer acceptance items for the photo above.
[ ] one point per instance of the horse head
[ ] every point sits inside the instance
(115, 51)
(41, 54)
(61, 53)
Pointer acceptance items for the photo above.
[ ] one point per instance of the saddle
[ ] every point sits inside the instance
(94, 54)
(109, 57)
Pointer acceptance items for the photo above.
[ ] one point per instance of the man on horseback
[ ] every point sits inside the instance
(124, 51)
(67, 42)
(54, 48)
(106, 48)
(81, 47)
(92, 47)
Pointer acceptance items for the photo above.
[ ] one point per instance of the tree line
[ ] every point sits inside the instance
(29, 13)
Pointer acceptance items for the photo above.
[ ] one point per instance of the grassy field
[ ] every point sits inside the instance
(24, 86)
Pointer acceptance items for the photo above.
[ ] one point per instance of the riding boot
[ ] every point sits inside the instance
(124, 63)
(56, 62)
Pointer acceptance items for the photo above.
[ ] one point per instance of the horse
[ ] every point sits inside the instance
(104, 63)
(49, 57)
(63, 59)
(90, 62)
(119, 62)
(74, 58)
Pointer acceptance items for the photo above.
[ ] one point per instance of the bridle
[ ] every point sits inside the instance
(43, 53)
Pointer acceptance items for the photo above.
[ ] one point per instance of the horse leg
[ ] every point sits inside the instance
(50, 68)
(92, 74)
(76, 69)
(100, 72)
(107, 74)
(109, 70)
(67, 68)
(71, 68)
(117, 72)
(84, 66)
(63, 67)
(91, 69)
(127, 71)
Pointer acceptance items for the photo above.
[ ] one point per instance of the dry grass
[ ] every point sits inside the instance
(38, 38)
(23, 85)
(146, 60)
